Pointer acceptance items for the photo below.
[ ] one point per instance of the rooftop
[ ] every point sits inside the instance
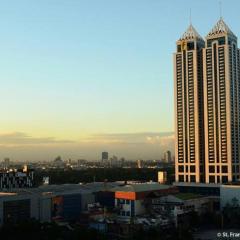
(191, 184)
(220, 28)
(179, 198)
(142, 187)
(187, 196)
(62, 189)
(190, 34)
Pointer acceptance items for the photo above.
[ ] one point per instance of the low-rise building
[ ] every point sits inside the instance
(16, 178)
(207, 189)
(48, 203)
(130, 199)
(178, 205)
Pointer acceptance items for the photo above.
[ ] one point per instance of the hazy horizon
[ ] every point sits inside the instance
(22, 147)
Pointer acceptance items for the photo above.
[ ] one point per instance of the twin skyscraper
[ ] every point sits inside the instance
(207, 106)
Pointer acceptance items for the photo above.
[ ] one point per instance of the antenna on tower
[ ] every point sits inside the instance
(190, 16)
(220, 9)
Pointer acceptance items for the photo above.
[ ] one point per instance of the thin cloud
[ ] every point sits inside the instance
(21, 138)
(144, 137)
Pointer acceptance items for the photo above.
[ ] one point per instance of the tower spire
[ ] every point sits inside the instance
(220, 9)
(190, 16)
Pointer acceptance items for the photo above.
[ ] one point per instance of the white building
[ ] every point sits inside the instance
(162, 177)
(180, 204)
(130, 199)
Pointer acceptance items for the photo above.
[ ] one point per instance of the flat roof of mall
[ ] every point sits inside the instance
(141, 187)
(187, 184)
(62, 189)
(188, 196)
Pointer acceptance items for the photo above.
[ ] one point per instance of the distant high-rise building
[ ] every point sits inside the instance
(207, 106)
(167, 157)
(104, 156)
(6, 163)
(189, 147)
(140, 163)
(114, 161)
(122, 161)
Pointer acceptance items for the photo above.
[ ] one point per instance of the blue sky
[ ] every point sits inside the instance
(71, 69)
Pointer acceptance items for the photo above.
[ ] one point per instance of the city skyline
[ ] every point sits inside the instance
(132, 146)
(70, 75)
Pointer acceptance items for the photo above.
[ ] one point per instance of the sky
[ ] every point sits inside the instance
(79, 77)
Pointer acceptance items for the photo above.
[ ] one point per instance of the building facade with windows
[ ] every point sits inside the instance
(207, 105)
(189, 150)
(221, 101)
(16, 179)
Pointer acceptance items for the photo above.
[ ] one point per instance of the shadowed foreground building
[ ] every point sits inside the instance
(207, 106)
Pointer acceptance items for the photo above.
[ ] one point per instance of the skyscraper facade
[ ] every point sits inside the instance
(221, 98)
(207, 118)
(188, 107)
(167, 157)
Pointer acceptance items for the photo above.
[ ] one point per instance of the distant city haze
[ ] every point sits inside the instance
(81, 77)
(132, 146)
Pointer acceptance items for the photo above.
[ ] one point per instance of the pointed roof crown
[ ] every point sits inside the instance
(220, 28)
(190, 34)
